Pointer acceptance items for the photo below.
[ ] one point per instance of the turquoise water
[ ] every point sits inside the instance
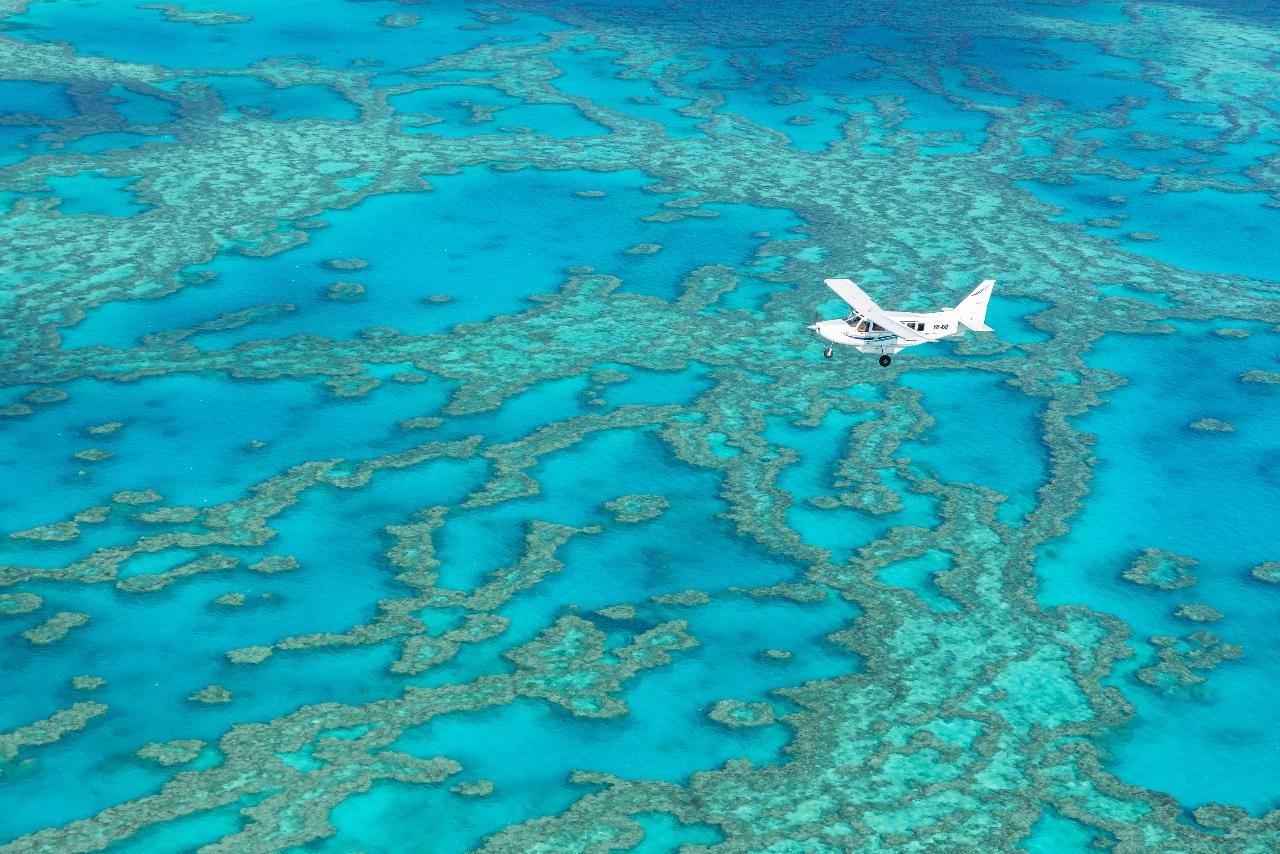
(439, 243)
(455, 108)
(1139, 498)
(97, 142)
(244, 94)
(137, 108)
(38, 98)
(592, 72)
(95, 193)
(963, 447)
(410, 438)
(322, 31)
(1186, 228)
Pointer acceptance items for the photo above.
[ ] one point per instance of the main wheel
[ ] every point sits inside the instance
(884, 361)
(829, 352)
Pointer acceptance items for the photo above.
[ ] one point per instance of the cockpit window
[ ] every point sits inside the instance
(875, 327)
(861, 327)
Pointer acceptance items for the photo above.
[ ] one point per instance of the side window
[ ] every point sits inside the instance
(875, 327)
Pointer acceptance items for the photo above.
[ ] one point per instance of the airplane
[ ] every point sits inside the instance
(873, 330)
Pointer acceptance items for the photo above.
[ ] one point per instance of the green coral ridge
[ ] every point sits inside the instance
(401, 20)
(476, 789)
(46, 395)
(644, 249)
(1180, 665)
(55, 533)
(55, 628)
(1199, 613)
(345, 291)
(1213, 425)
(736, 713)
(87, 682)
(159, 580)
(104, 428)
(951, 731)
(93, 515)
(207, 18)
(137, 497)
(16, 604)
(688, 598)
(1161, 569)
(48, 730)
(275, 563)
(211, 695)
(1268, 572)
(176, 752)
(347, 264)
(249, 654)
(637, 508)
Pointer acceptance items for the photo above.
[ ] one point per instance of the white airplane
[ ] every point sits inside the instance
(873, 330)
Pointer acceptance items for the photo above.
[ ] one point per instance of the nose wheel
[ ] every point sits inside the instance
(829, 352)
(884, 361)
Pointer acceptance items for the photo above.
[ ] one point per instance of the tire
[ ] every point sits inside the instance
(884, 361)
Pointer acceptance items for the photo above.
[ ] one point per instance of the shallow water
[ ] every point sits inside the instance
(408, 411)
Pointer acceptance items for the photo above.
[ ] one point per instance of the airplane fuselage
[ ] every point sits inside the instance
(871, 329)
(869, 337)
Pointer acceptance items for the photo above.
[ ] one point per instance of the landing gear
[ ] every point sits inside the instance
(829, 352)
(884, 361)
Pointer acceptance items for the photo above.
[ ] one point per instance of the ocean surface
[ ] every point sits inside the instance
(411, 440)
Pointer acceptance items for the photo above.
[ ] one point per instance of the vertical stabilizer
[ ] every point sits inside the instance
(972, 311)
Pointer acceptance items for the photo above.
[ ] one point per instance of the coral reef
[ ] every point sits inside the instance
(177, 752)
(736, 713)
(55, 628)
(637, 508)
(1161, 569)
(953, 716)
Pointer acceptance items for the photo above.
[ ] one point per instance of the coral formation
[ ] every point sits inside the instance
(447, 518)
(736, 713)
(211, 695)
(1213, 425)
(177, 752)
(55, 628)
(637, 508)
(1161, 569)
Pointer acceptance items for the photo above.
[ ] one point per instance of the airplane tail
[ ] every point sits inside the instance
(972, 310)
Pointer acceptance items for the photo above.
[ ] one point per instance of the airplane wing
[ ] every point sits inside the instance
(858, 300)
